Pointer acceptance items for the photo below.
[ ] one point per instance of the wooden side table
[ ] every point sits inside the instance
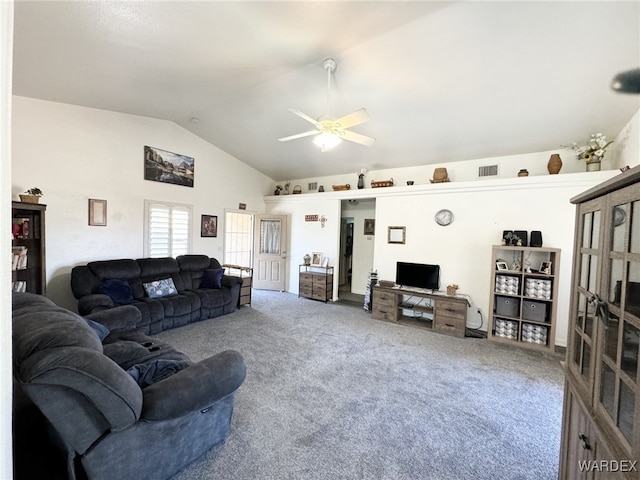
(246, 273)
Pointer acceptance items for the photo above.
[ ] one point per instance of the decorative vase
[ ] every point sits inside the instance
(360, 181)
(555, 164)
(307, 259)
(593, 166)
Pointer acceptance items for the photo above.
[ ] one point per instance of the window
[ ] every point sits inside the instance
(238, 238)
(167, 229)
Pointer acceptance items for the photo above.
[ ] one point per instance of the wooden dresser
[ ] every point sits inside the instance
(316, 282)
(434, 311)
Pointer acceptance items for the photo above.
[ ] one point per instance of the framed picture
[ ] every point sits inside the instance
(209, 226)
(369, 226)
(316, 259)
(168, 167)
(545, 267)
(397, 235)
(501, 266)
(97, 212)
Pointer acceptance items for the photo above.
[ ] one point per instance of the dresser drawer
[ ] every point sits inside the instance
(305, 291)
(322, 279)
(449, 326)
(384, 314)
(451, 309)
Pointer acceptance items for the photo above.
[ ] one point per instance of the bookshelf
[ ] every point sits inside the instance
(28, 259)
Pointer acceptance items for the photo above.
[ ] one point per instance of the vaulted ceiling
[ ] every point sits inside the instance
(442, 81)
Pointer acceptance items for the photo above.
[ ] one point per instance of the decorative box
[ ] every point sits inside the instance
(506, 329)
(536, 311)
(535, 334)
(506, 306)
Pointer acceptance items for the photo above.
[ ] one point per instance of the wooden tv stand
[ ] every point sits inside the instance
(430, 310)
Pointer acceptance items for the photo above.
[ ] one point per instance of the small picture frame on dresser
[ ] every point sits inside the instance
(316, 259)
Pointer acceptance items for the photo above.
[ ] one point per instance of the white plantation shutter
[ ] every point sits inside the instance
(168, 229)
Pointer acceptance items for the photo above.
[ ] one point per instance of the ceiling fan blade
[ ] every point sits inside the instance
(353, 119)
(357, 138)
(306, 117)
(299, 135)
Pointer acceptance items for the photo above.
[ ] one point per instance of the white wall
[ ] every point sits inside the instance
(363, 245)
(75, 153)
(6, 53)
(306, 237)
(482, 209)
(626, 147)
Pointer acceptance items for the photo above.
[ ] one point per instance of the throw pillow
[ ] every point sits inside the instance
(212, 278)
(160, 288)
(118, 290)
(100, 329)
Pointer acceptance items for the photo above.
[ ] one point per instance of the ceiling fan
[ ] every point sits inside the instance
(330, 131)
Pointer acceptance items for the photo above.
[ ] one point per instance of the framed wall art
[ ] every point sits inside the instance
(209, 226)
(369, 226)
(316, 259)
(168, 167)
(97, 212)
(397, 235)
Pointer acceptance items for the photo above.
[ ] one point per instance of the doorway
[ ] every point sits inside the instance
(356, 249)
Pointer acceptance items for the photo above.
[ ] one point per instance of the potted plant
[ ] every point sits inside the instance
(31, 196)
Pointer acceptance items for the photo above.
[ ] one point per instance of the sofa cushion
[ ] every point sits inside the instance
(117, 290)
(212, 278)
(160, 288)
(101, 331)
(106, 269)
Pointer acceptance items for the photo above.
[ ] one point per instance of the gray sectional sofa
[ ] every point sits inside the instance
(120, 404)
(168, 292)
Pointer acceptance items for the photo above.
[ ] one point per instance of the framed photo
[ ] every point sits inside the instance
(209, 226)
(168, 167)
(397, 235)
(369, 226)
(316, 259)
(501, 266)
(97, 212)
(545, 267)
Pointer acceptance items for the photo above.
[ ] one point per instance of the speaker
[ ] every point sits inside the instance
(536, 238)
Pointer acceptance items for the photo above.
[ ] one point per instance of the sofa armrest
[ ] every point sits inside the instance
(195, 387)
(94, 303)
(126, 316)
(230, 281)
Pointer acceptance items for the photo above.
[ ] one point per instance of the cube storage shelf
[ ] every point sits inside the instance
(524, 296)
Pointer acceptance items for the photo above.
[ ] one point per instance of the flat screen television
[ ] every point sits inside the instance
(419, 275)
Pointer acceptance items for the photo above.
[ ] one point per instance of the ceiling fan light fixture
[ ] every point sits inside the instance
(327, 141)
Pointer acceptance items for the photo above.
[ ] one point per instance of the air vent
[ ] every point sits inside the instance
(488, 171)
(313, 186)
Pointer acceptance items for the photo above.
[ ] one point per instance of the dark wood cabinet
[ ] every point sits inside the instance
(601, 421)
(28, 270)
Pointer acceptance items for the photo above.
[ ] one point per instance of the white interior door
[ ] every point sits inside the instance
(270, 252)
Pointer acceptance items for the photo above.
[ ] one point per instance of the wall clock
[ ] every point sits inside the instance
(444, 217)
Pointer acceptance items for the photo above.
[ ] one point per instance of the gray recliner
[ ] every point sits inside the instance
(110, 426)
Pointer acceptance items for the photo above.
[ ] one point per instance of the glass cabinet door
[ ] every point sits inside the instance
(617, 376)
(583, 318)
